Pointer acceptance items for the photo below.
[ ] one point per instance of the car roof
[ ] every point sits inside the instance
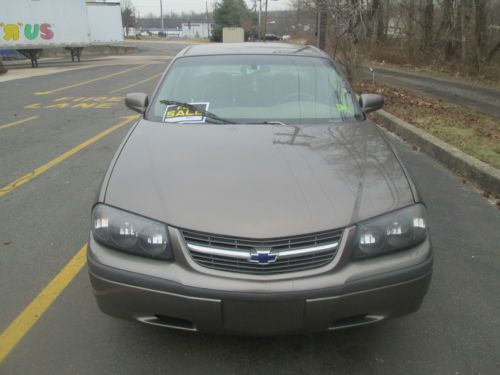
(252, 48)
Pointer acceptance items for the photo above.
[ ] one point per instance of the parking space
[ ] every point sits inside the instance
(54, 150)
(58, 134)
(72, 109)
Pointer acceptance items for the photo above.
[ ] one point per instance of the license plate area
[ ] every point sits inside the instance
(263, 317)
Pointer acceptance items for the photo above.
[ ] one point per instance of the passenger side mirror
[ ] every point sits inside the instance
(371, 102)
(137, 101)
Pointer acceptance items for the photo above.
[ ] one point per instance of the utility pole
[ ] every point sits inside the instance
(161, 15)
(260, 20)
(321, 30)
(265, 22)
(318, 28)
(208, 23)
(297, 22)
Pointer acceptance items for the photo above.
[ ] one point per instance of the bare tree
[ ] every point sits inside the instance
(348, 34)
(447, 28)
(428, 26)
(377, 29)
(463, 35)
(480, 30)
(128, 15)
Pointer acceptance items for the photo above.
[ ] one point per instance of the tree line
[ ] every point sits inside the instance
(462, 33)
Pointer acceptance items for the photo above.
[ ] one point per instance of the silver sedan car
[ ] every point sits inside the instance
(255, 197)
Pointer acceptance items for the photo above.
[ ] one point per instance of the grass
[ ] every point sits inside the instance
(474, 133)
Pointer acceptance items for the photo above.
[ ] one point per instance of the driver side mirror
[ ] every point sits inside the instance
(371, 102)
(137, 101)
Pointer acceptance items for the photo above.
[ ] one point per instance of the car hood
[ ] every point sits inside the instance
(258, 181)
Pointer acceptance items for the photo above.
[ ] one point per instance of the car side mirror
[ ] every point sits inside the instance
(137, 101)
(371, 102)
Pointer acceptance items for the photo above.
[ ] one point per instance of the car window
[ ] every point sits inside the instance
(257, 88)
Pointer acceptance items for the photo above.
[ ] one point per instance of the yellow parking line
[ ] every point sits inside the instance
(89, 81)
(135, 84)
(38, 171)
(14, 333)
(18, 122)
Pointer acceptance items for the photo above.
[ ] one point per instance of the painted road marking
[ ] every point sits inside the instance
(18, 122)
(38, 171)
(135, 84)
(89, 81)
(14, 333)
(81, 102)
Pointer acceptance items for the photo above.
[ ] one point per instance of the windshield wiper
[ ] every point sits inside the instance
(267, 123)
(203, 112)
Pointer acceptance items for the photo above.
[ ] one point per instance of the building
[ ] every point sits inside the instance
(196, 30)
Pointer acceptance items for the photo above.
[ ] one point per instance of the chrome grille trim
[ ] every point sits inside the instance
(309, 250)
(233, 254)
(247, 254)
(222, 252)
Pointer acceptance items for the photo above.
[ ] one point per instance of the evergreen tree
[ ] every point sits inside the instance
(232, 13)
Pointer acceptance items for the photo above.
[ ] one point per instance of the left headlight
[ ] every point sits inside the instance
(131, 233)
(394, 231)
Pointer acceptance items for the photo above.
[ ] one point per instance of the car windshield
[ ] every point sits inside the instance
(254, 89)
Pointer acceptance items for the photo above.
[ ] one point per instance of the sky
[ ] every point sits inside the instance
(178, 6)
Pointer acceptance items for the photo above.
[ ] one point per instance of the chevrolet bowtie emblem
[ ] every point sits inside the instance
(263, 256)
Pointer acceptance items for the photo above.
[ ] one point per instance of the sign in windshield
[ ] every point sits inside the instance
(181, 113)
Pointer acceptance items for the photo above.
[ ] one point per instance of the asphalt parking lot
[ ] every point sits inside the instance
(58, 134)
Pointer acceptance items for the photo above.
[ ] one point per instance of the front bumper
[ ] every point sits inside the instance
(351, 295)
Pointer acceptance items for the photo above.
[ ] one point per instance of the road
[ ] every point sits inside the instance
(44, 220)
(482, 99)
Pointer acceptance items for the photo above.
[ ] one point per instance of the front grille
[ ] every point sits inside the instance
(281, 255)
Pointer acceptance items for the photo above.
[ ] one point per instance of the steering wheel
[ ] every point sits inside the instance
(296, 96)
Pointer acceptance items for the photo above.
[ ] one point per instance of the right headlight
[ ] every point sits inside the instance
(391, 232)
(124, 231)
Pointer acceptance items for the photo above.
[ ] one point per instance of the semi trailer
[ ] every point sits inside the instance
(29, 26)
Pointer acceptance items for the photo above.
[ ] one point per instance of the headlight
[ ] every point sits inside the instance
(131, 233)
(395, 231)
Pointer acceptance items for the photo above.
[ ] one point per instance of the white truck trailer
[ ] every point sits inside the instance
(30, 26)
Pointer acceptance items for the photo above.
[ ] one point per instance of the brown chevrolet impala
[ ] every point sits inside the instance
(255, 197)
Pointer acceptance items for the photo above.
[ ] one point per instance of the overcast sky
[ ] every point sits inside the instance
(153, 6)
